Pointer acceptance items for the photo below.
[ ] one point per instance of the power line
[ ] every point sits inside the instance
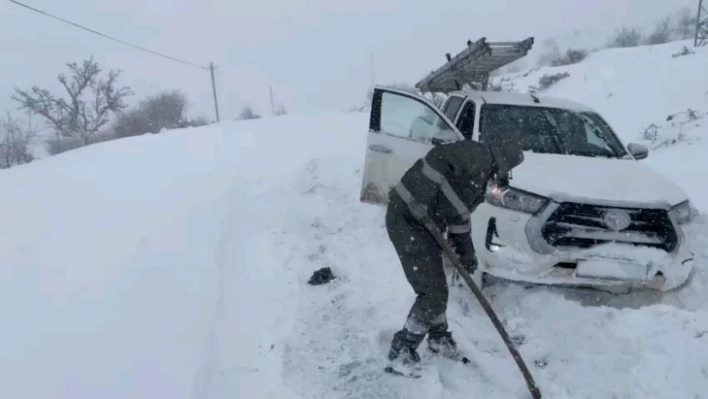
(107, 36)
(211, 66)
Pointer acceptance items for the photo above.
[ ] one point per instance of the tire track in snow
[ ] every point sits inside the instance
(252, 302)
(205, 379)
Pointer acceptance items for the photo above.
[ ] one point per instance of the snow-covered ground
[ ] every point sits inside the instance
(176, 266)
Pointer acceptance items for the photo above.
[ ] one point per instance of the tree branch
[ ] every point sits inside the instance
(73, 116)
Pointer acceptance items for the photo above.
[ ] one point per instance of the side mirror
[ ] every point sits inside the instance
(444, 136)
(638, 151)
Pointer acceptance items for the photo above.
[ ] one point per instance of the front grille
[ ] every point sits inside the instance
(582, 226)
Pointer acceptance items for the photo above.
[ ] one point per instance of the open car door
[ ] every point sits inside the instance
(403, 127)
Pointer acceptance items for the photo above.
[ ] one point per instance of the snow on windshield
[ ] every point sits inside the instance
(553, 130)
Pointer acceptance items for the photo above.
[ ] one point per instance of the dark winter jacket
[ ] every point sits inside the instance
(450, 181)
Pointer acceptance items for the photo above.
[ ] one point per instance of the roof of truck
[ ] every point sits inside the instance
(525, 99)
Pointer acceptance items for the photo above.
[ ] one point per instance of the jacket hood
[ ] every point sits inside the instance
(506, 149)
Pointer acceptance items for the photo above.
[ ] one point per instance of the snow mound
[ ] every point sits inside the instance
(176, 266)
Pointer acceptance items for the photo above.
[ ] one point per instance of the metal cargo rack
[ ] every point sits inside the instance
(473, 65)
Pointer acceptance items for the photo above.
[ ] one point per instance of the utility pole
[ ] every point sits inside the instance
(213, 88)
(272, 104)
(701, 37)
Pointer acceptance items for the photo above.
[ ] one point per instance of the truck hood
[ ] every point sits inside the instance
(596, 180)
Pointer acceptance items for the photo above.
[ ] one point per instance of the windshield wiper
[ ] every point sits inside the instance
(554, 135)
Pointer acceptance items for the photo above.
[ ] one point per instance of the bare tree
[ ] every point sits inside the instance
(15, 142)
(131, 123)
(162, 111)
(685, 23)
(547, 81)
(90, 101)
(571, 56)
(165, 110)
(626, 37)
(196, 122)
(661, 33)
(248, 113)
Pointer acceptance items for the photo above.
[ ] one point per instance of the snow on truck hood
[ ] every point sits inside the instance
(594, 179)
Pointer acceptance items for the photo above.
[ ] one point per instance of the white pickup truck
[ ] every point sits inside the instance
(581, 209)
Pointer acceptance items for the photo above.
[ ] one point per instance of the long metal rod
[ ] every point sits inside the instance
(530, 383)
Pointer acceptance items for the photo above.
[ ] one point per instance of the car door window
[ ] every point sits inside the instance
(466, 121)
(408, 118)
(452, 106)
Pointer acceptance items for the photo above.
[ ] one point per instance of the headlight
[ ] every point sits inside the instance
(683, 212)
(515, 199)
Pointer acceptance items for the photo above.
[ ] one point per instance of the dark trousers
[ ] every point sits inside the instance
(421, 258)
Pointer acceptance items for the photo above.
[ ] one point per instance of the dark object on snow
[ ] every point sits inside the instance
(322, 276)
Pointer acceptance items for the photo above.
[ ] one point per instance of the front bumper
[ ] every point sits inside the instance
(510, 245)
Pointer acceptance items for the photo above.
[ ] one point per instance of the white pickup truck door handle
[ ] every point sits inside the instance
(380, 148)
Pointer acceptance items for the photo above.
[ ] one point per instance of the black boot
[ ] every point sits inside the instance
(403, 348)
(441, 343)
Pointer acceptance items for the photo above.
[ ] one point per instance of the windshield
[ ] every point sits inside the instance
(553, 130)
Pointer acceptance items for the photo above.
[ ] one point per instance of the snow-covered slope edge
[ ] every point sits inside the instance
(654, 89)
(131, 268)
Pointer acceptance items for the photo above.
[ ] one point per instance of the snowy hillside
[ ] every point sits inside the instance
(176, 266)
(634, 88)
(650, 94)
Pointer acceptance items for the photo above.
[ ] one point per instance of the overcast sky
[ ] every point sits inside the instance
(316, 54)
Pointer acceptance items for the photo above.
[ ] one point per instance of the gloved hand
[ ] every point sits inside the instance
(469, 261)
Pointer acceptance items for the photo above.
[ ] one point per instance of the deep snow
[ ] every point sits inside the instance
(175, 265)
